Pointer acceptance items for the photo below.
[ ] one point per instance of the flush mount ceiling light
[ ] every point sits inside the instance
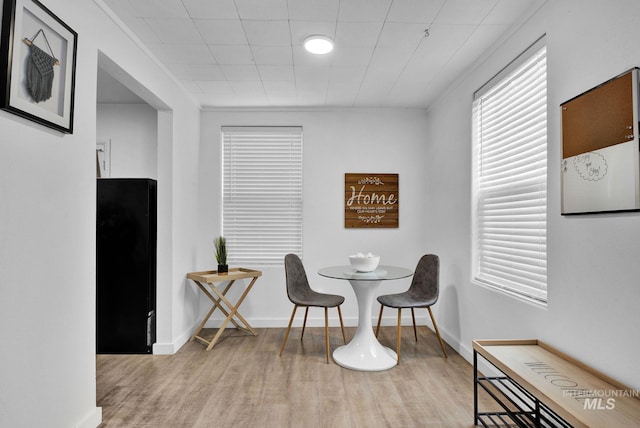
(318, 45)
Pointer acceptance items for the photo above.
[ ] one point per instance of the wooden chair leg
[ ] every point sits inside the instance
(304, 323)
(435, 327)
(286, 335)
(326, 332)
(413, 317)
(399, 335)
(379, 319)
(344, 338)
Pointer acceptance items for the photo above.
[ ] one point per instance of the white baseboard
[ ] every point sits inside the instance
(164, 348)
(317, 320)
(92, 420)
(466, 352)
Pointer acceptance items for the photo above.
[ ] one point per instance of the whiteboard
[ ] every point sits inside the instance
(600, 167)
(602, 180)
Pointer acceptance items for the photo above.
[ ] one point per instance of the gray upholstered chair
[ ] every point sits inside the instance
(301, 294)
(422, 293)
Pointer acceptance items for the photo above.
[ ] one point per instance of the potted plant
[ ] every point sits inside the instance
(220, 245)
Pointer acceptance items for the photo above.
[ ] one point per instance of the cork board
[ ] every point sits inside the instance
(600, 148)
(371, 200)
(599, 118)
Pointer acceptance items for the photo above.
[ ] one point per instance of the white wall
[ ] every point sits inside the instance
(47, 233)
(336, 141)
(132, 130)
(593, 270)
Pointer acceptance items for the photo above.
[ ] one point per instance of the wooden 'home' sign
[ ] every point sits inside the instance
(371, 200)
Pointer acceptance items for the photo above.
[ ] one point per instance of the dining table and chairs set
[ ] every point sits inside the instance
(363, 352)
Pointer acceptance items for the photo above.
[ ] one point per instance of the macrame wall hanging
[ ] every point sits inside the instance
(39, 72)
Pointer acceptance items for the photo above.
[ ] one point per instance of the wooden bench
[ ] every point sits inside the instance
(539, 386)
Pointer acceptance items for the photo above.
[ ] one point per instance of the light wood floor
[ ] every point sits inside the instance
(242, 382)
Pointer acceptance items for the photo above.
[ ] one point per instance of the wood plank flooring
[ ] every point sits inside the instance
(242, 382)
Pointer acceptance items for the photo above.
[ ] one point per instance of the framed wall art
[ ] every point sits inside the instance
(37, 64)
(371, 200)
(600, 156)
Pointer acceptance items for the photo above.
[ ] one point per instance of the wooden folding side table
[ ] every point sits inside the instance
(206, 282)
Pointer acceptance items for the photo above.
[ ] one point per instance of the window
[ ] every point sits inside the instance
(262, 193)
(510, 178)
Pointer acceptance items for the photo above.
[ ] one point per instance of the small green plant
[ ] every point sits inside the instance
(220, 245)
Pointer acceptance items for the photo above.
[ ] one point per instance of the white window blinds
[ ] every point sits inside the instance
(262, 194)
(510, 178)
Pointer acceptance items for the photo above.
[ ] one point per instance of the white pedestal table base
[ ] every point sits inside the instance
(364, 352)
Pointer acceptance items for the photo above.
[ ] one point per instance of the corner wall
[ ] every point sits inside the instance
(593, 270)
(47, 233)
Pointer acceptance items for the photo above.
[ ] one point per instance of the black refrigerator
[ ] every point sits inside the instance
(126, 233)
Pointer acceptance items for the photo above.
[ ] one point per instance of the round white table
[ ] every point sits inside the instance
(364, 352)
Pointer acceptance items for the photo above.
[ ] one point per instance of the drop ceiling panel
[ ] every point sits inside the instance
(311, 98)
(240, 72)
(276, 88)
(197, 71)
(216, 87)
(207, 9)
(263, 9)
(156, 8)
(313, 10)
(374, 94)
(506, 12)
(392, 58)
(406, 36)
(358, 34)
(312, 76)
(272, 55)
(383, 76)
(183, 53)
(342, 95)
(443, 42)
(276, 72)
(482, 40)
(246, 100)
(171, 30)
(410, 96)
(267, 33)
(246, 87)
(413, 11)
(364, 10)
(221, 32)
(343, 56)
(232, 54)
(465, 12)
(347, 76)
(280, 93)
(229, 52)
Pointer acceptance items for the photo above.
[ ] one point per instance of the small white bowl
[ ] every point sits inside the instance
(366, 263)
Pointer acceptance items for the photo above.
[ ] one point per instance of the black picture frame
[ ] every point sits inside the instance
(26, 23)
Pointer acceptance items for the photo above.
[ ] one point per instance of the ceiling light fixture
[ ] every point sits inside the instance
(318, 45)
